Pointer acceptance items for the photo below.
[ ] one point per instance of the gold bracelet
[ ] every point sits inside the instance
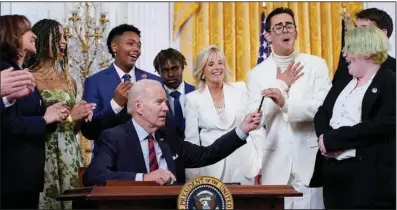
(70, 119)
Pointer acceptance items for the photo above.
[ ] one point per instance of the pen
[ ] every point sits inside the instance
(260, 106)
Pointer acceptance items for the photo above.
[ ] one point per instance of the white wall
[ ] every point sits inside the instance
(390, 8)
(152, 18)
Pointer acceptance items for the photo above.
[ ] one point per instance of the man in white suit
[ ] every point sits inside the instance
(292, 94)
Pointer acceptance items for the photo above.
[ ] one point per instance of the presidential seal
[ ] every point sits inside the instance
(205, 192)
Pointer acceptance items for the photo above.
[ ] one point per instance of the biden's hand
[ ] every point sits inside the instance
(160, 176)
(251, 122)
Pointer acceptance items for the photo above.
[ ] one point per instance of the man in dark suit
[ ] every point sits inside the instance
(139, 151)
(369, 17)
(108, 89)
(356, 126)
(24, 127)
(170, 64)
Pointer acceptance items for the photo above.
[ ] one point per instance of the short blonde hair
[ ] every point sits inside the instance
(367, 41)
(202, 60)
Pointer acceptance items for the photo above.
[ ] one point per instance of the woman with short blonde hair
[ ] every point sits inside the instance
(201, 61)
(213, 109)
(356, 126)
(365, 50)
(367, 41)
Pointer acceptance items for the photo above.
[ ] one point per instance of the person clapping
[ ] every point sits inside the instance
(14, 85)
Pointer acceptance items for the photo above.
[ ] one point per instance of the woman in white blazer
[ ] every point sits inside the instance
(213, 109)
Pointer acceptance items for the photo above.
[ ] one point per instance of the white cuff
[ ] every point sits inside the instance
(139, 177)
(241, 134)
(116, 108)
(7, 103)
(347, 154)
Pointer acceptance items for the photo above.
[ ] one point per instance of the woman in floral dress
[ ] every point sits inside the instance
(63, 156)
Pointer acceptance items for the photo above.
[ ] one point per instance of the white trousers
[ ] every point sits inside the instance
(312, 197)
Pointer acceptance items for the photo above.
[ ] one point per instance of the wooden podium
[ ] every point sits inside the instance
(118, 196)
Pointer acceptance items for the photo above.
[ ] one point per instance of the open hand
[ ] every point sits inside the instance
(121, 93)
(16, 84)
(291, 73)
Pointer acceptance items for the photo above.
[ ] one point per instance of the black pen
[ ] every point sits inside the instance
(260, 106)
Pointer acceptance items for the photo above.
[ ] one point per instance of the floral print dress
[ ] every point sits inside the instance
(63, 156)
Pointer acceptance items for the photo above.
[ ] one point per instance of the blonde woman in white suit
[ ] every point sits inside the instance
(213, 109)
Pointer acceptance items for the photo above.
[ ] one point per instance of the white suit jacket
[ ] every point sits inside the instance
(204, 126)
(290, 133)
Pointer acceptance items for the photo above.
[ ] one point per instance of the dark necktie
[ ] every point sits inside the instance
(127, 78)
(153, 164)
(178, 114)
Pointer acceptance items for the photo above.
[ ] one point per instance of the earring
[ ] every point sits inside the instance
(202, 77)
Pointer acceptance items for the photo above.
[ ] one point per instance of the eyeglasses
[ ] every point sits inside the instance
(279, 29)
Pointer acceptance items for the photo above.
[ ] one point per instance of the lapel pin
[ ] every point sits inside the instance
(161, 139)
(374, 90)
(144, 76)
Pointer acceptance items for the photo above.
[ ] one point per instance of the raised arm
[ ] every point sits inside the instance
(196, 156)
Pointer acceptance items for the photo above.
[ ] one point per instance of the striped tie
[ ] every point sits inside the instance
(153, 165)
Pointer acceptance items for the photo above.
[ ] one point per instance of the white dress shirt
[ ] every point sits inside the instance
(116, 108)
(142, 135)
(181, 90)
(347, 110)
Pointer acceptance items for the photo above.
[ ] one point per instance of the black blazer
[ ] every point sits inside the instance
(342, 72)
(374, 138)
(120, 155)
(23, 133)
